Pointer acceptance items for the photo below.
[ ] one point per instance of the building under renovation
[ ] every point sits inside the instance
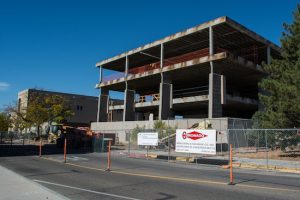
(209, 71)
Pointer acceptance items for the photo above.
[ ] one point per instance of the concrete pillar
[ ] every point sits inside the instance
(129, 107)
(165, 92)
(161, 55)
(100, 74)
(103, 106)
(223, 89)
(215, 94)
(126, 66)
(129, 104)
(211, 41)
(165, 101)
(211, 77)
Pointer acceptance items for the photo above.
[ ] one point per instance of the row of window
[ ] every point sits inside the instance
(79, 107)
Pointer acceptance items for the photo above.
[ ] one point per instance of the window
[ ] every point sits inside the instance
(79, 107)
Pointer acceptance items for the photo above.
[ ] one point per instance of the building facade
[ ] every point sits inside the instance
(84, 107)
(209, 71)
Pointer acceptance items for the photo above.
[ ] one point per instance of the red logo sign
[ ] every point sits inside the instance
(194, 135)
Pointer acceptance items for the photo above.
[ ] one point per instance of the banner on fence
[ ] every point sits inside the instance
(148, 139)
(196, 141)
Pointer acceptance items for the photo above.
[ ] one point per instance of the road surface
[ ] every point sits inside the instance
(84, 177)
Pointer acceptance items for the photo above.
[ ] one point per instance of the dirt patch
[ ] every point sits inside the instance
(276, 155)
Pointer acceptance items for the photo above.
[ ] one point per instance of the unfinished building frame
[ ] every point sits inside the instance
(208, 71)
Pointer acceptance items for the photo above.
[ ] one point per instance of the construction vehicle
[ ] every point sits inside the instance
(76, 136)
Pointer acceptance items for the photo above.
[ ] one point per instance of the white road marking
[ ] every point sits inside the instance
(85, 190)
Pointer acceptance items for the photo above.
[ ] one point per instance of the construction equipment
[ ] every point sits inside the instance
(76, 136)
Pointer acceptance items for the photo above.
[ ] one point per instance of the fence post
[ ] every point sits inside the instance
(129, 141)
(40, 147)
(108, 156)
(266, 149)
(257, 148)
(230, 166)
(65, 150)
(103, 137)
(11, 140)
(169, 149)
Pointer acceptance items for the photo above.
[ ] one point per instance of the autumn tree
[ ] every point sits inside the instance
(41, 108)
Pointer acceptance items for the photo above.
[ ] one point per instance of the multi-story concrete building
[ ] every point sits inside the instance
(209, 71)
(84, 107)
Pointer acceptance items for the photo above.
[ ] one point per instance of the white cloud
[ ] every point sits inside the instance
(4, 86)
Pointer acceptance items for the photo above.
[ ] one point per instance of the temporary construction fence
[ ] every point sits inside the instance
(165, 147)
(267, 148)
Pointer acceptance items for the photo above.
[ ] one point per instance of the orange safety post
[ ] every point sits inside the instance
(40, 148)
(108, 156)
(65, 151)
(230, 166)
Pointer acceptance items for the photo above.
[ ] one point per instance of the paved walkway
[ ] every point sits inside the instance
(16, 187)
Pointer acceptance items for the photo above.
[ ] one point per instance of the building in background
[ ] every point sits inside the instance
(84, 107)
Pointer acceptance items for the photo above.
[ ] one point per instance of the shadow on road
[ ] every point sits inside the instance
(30, 150)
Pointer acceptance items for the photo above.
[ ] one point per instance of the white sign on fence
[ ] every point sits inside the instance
(148, 139)
(196, 141)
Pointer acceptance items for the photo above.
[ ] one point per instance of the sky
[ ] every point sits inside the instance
(54, 45)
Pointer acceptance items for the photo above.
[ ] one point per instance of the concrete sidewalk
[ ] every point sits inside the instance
(16, 187)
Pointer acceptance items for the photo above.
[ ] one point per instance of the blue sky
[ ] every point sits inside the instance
(54, 45)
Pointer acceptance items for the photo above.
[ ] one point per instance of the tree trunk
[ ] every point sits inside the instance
(38, 132)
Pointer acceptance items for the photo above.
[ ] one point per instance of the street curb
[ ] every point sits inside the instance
(270, 167)
(239, 165)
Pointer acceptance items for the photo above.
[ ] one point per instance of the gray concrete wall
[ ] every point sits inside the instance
(120, 128)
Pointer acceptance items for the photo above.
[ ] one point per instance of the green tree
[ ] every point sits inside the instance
(281, 98)
(163, 129)
(135, 132)
(41, 108)
(4, 122)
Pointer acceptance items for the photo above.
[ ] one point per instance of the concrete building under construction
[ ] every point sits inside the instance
(209, 71)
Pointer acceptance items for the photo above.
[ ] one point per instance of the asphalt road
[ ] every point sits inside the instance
(84, 177)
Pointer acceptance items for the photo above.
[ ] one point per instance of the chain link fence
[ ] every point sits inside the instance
(269, 148)
(126, 141)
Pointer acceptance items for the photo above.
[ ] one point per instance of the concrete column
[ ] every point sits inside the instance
(211, 77)
(165, 92)
(161, 55)
(100, 74)
(215, 94)
(165, 100)
(98, 108)
(211, 41)
(126, 66)
(103, 106)
(129, 107)
(223, 89)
